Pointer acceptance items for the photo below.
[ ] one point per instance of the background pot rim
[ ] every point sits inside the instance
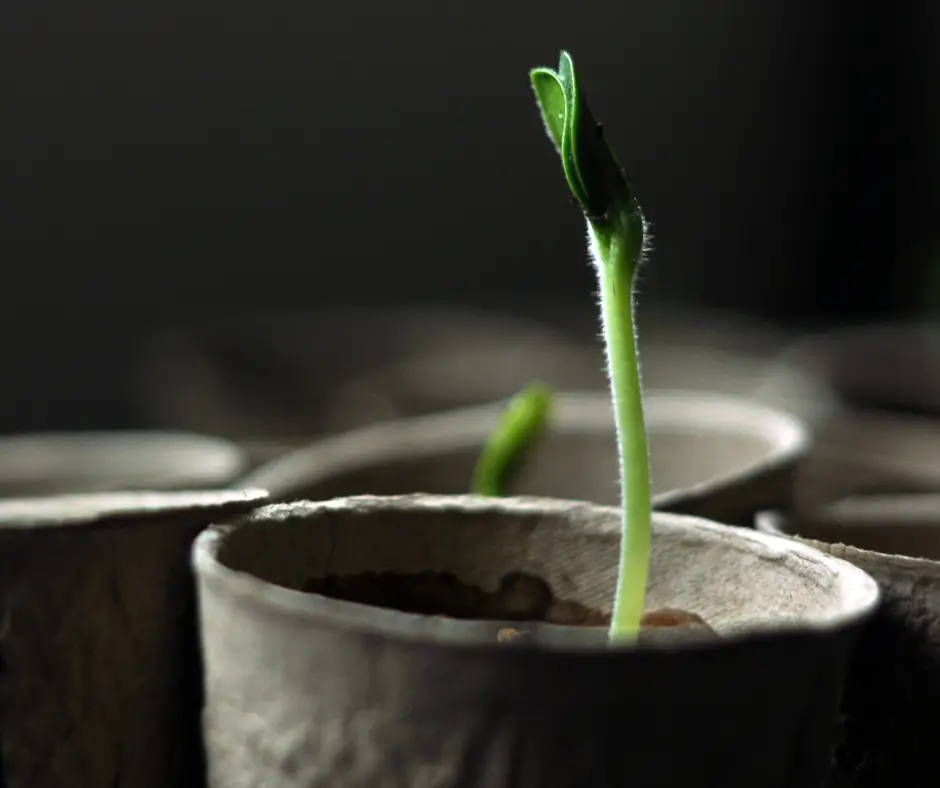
(167, 455)
(576, 411)
(914, 509)
(772, 524)
(103, 510)
(860, 592)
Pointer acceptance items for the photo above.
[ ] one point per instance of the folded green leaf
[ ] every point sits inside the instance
(594, 176)
(550, 94)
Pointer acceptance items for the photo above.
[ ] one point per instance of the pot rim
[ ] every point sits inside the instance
(28, 458)
(913, 509)
(102, 510)
(860, 593)
(575, 411)
(773, 522)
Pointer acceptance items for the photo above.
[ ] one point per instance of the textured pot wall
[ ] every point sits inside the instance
(101, 683)
(357, 695)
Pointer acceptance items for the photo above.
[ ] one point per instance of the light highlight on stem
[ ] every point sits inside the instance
(615, 273)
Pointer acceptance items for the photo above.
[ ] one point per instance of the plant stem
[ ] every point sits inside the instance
(615, 266)
(617, 233)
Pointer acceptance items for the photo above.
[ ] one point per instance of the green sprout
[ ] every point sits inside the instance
(617, 238)
(520, 425)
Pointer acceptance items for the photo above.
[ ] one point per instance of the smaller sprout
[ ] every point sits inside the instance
(519, 427)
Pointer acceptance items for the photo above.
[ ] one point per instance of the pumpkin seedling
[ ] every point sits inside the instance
(519, 427)
(618, 242)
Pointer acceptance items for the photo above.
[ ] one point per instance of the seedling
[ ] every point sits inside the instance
(617, 241)
(519, 427)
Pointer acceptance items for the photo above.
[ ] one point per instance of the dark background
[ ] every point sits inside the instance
(161, 160)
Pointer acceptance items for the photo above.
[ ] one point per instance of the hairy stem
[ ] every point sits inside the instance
(615, 269)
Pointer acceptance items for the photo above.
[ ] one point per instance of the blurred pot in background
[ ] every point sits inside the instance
(694, 348)
(882, 432)
(868, 452)
(712, 455)
(274, 380)
(81, 462)
(288, 376)
(886, 367)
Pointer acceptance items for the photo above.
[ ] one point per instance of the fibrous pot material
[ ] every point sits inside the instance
(305, 690)
(890, 709)
(100, 674)
(712, 455)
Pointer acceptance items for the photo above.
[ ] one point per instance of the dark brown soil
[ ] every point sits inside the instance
(520, 597)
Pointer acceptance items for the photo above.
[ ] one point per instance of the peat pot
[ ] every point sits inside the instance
(888, 367)
(694, 348)
(100, 675)
(868, 453)
(77, 462)
(712, 455)
(267, 377)
(460, 642)
(891, 699)
(881, 436)
(895, 538)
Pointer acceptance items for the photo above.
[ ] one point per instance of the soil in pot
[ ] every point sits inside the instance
(519, 597)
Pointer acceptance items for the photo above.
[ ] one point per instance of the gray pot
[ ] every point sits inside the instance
(891, 698)
(712, 455)
(54, 463)
(701, 349)
(305, 690)
(881, 433)
(889, 367)
(100, 673)
(262, 377)
(895, 538)
(693, 348)
(868, 453)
